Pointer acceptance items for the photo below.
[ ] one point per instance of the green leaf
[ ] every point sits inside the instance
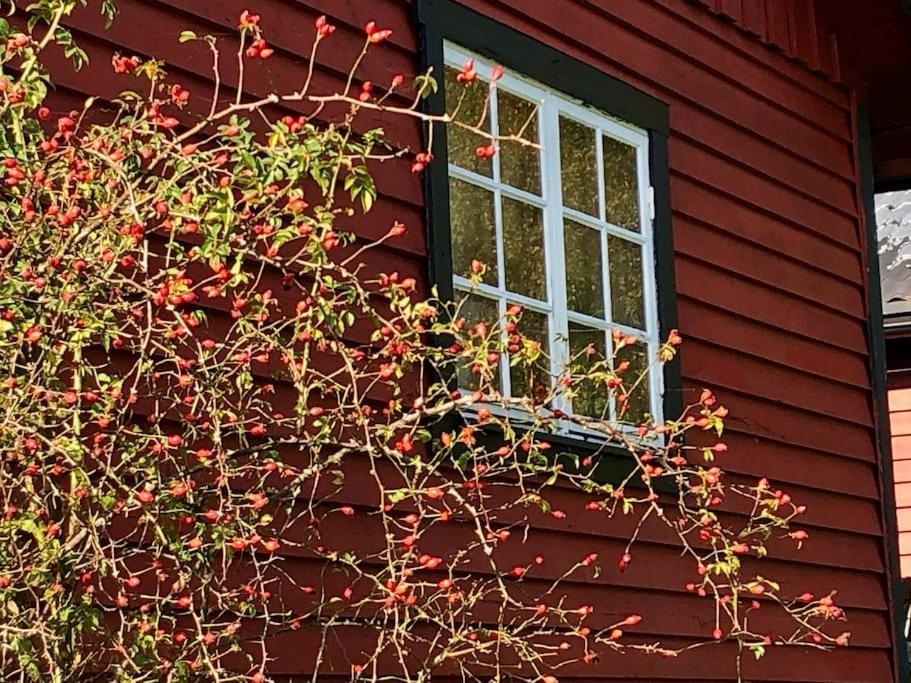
(187, 36)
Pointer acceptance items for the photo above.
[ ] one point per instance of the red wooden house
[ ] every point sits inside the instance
(727, 155)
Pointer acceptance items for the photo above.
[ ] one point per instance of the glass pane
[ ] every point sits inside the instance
(519, 163)
(637, 402)
(467, 103)
(621, 185)
(625, 265)
(474, 235)
(523, 248)
(592, 399)
(578, 167)
(584, 291)
(527, 379)
(478, 309)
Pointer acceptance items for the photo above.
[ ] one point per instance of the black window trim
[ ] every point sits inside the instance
(446, 20)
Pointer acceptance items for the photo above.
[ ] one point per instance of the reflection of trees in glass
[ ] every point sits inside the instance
(523, 248)
(591, 398)
(478, 309)
(519, 164)
(524, 377)
(471, 100)
(471, 217)
(582, 248)
(621, 186)
(625, 265)
(578, 166)
(638, 404)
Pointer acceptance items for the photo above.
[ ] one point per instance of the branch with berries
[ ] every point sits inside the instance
(223, 428)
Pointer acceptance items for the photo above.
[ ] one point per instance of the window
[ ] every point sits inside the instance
(564, 225)
(577, 230)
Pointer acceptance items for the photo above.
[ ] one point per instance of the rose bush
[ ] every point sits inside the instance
(221, 425)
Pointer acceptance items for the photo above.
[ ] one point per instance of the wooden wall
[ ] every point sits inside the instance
(769, 266)
(786, 25)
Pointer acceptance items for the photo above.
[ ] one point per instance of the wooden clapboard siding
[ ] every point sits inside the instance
(786, 25)
(769, 266)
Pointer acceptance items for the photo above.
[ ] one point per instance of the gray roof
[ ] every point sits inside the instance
(893, 219)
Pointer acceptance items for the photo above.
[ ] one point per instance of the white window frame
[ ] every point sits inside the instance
(552, 105)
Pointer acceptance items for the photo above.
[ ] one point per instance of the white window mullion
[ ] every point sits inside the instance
(599, 156)
(553, 230)
(502, 303)
(649, 280)
(608, 308)
(505, 379)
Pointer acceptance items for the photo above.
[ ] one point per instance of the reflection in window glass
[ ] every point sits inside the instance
(525, 378)
(591, 399)
(621, 185)
(578, 166)
(468, 103)
(478, 309)
(519, 162)
(637, 403)
(523, 248)
(472, 221)
(584, 288)
(625, 267)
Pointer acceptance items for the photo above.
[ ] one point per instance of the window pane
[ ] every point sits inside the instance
(625, 259)
(467, 103)
(592, 399)
(578, 167)
(523, 248)
(582, 247)
(473, 229)
(637, 403)
(621, 185)
(526, 378)
(518, 162)
(478, 309)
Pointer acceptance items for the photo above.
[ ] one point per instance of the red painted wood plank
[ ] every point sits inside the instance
(700, 281)
(728, 213)
(804, 38)
(790, 386)
(733, 9)
(754, 19)
(788, 464)
(744, 335)
(759, 418)
(898, 379)
(738, 181)
(776, 164)
(717, 247)
(779, 30)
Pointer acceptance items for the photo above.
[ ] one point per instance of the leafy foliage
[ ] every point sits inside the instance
(221, 426)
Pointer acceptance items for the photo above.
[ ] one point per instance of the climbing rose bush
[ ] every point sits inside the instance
(226, 434)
